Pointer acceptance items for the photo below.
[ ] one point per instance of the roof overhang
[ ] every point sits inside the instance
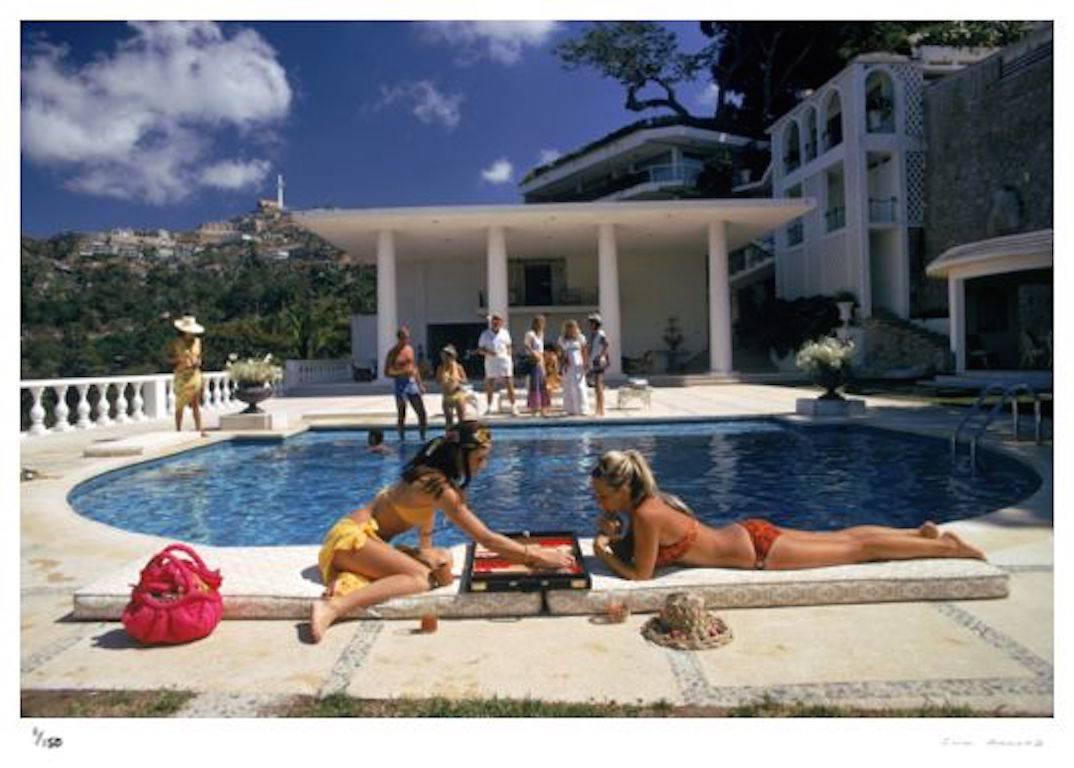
(355, 230)
(995, 256)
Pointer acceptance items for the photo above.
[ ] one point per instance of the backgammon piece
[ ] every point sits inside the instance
(429, 623)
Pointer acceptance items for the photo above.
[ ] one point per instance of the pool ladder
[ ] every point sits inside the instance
(984, 418)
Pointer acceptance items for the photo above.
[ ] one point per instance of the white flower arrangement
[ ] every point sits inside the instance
(828, 353)
(253, 370)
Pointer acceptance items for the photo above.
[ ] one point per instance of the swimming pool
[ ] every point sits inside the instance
(257, 493)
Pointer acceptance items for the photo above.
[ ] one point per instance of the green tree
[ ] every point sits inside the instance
(637, 54)
(760, 67)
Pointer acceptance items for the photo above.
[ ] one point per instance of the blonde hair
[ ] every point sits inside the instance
(629, 469)
(567, 326)
(538, 322)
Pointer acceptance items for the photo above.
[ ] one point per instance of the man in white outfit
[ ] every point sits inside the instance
(495, 345)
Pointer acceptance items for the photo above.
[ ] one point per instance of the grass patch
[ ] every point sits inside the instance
(103, 703)
(165, 703)
(340, 705)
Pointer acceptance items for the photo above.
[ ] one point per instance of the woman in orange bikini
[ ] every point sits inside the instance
(663, 531)
(358, 565)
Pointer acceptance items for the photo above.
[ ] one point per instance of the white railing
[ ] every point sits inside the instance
(64, 405)
(299, 372)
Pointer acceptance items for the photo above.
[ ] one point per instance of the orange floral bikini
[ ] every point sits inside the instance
(762, 533)
(666, 555)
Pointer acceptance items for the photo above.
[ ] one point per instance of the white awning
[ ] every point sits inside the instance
(995, 256)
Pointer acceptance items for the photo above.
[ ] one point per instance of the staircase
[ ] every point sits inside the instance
(896, 348)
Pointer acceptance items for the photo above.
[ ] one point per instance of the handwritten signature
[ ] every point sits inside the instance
(959, 742)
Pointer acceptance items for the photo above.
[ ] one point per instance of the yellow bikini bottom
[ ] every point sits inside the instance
(345, 536)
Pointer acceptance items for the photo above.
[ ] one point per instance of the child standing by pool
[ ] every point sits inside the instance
(539, 399)
(451, 376)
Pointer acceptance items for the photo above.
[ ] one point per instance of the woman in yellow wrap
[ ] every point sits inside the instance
(185, 355)
(361, 569)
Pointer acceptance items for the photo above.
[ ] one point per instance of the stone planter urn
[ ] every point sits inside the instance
(253, 393)
(831, 403)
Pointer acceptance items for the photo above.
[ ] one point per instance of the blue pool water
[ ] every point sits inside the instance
(817, 478)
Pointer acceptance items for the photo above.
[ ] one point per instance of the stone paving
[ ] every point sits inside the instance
(994, 655)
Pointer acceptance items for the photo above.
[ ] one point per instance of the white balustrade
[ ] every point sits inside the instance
(62, 411)
(103, 406)
(121, 405)
(299, 372)
(83, 408)
(151, 398)
(37, 412)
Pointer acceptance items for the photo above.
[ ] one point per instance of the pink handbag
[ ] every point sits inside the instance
(177, 599)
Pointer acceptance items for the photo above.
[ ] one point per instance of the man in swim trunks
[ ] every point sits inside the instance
(402, 367)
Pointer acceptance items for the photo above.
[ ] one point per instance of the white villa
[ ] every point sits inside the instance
(857, 146)
(442, 270)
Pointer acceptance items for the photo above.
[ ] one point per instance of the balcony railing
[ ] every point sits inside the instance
(64, 405)
(566, 297)
(882, 210)
(795, 233)
(835, 218)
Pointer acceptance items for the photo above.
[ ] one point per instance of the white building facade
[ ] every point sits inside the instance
(857, 146)
(440, 271)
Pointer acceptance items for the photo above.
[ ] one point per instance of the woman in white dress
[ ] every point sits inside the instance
(575, 356)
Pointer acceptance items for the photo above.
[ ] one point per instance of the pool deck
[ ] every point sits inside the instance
(994, 655)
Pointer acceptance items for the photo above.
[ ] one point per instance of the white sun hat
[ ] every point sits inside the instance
(187, 324)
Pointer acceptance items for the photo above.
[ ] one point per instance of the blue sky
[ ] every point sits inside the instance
(169, 125)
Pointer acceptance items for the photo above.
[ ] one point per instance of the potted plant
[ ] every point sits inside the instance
(253, 379)
(827, 361)
(845, 301)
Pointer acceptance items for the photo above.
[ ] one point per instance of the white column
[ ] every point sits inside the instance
(83, 408)
(497, 273)
(37, 412)
(62, 411)
(956, 309)
(608, 286)
(719, 300)
(387, 300)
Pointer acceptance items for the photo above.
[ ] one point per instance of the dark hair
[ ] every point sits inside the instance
(444, 461)
(376, 436)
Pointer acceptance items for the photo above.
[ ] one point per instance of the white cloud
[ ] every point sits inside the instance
(499, 172)
(141, 123)
(500, 41)
(709, 97)
(548, 156)
(426, 103)
(235, 174)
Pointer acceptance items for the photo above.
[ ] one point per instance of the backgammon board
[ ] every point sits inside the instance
(488, 572)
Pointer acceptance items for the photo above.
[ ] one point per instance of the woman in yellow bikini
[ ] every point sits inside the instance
(663, 531)
(185, 355)
(360, 567)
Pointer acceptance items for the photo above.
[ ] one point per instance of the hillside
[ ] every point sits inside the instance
(102, 303)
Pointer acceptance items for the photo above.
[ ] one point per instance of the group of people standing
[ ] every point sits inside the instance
(573, 361)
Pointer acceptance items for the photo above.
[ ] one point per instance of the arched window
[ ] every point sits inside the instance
(833, 122)
(792, 156)
(879, 102)
(810, 134)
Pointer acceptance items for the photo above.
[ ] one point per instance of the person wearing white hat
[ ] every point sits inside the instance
(185, 355)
